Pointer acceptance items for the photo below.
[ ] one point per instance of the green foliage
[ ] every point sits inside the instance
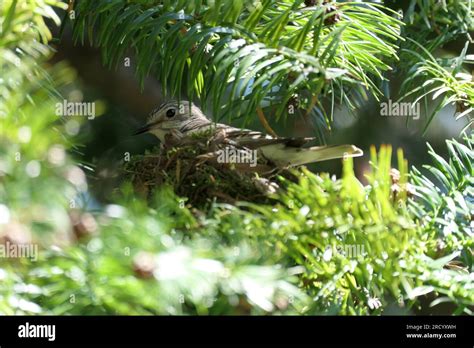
(445, 207)
(356, 249)
(33, 162)
(431, 25)
(23, 45)
(240, 55)
(447, 18)
(446, 81)
(244, 54)
(142, 263)
(361, 249)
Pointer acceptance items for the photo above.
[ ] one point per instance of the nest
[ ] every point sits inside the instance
(194, 172)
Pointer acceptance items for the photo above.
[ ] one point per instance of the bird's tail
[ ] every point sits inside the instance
(288, 156)
(323, 153)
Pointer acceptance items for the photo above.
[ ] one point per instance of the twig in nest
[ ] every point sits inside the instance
(266, 125)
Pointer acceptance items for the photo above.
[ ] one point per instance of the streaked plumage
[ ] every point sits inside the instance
(186, 121)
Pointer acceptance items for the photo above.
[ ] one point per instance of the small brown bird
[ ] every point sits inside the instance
(184, 121)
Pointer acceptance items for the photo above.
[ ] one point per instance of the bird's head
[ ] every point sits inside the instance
(182, 116)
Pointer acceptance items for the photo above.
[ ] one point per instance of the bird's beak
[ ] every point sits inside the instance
(146, 128)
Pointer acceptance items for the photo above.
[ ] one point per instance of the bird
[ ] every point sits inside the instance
(183, 122)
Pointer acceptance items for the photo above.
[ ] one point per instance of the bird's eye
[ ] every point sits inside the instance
(170, 113)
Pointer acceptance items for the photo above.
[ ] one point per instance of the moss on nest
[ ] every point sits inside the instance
(201, 180)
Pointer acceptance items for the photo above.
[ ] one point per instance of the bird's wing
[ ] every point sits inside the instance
(287, 151)
(253, 139)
